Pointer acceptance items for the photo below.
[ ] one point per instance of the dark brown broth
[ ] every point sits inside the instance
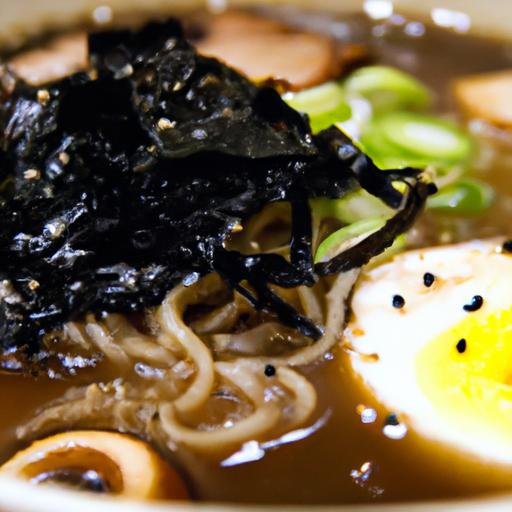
(317, 470)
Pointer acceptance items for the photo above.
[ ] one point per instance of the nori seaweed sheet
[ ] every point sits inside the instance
(127, 179)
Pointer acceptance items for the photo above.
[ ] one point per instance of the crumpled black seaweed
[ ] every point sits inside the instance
(127, 179)
(212, 107)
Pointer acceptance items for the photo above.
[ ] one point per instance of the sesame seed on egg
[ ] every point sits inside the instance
(398, 301)
(461, 346)
(428, 279)
(475, 304)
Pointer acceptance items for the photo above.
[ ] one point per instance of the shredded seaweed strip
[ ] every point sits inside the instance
(118, 183)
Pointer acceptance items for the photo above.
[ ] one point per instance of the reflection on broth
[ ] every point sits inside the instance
(240, 403)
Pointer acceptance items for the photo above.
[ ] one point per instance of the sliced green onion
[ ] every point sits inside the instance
(426, 136)
(318, 100)
(400, 139)
(332, 244)
(387, 155)
(337, 241)
(465, 197)
(323, 121)
(352, 208)
(388, 88)
(325, 105)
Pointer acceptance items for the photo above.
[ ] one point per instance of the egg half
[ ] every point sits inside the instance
(442, 357)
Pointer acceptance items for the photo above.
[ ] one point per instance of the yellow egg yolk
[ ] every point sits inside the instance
(466, 374)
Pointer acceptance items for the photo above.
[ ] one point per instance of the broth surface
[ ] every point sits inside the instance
(318, 469)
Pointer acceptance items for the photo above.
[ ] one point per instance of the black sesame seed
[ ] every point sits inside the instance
(428, 279)
(507, 246)
(270, 370)
(461, 346)
(475, 304)
(398, 301)
(392, 419)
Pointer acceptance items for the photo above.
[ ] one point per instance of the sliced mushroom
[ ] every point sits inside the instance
(63, 56)
(264, 50)
(487, 97)
(101, 461)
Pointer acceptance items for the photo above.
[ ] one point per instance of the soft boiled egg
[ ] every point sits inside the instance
(431, 338)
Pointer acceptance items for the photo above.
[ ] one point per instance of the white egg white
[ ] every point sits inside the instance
(384, 341)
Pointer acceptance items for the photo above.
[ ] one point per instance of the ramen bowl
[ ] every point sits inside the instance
(27, 19)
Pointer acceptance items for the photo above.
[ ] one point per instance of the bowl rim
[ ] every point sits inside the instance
(19, 496)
